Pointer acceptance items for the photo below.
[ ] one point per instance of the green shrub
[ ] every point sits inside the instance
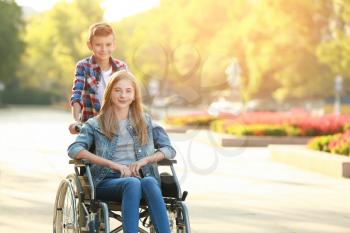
(217, 126)
(342, 149)
(346, 127)
(262, 130)
(321, 143)
(202, 120)
(30, 96)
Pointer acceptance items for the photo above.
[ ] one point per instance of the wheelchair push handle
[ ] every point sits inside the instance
(184, 195)
(78, 127)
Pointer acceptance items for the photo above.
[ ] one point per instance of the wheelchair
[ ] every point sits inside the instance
(77, 210)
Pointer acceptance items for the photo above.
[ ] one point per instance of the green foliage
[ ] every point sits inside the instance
(321, 143)
(274, 41)
(334, 50)
(346, 127)
(11, 45)
(335, 144)
(56, 40)
(261, 130)
(217, 126)
(280, 50)
(343, 149)
(18, 95)
(187, 45)
(196, 119)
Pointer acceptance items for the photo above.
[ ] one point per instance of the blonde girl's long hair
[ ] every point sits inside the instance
(107, 118)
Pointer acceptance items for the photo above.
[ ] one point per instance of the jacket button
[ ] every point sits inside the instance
(139, 151)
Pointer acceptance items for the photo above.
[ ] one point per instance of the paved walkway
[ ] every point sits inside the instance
(230, 190)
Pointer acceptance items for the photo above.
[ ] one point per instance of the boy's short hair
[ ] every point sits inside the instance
(100, 29)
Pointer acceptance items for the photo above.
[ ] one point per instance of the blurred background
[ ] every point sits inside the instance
(254, 54)
(241, 70)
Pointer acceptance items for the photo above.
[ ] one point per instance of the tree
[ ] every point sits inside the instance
(56, 41)
(192, 42)
(335, 49)
(279, 40)
(11, 45)
(170, 43)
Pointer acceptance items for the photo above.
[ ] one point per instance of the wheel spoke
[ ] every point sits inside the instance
(65, 215)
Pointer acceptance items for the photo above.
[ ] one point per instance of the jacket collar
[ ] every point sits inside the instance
(94, 65)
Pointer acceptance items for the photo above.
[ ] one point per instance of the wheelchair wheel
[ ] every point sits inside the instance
(176, 220)
(172, 221)
(176, 225)
(65, 217)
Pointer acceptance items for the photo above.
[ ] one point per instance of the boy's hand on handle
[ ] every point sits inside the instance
(73, 127)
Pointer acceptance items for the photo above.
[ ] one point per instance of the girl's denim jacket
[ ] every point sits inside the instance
(92, 138)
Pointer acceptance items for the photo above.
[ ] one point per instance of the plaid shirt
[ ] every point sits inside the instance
(87, 75)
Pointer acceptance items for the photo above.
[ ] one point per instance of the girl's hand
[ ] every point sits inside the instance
(136, 166)
(124, 170)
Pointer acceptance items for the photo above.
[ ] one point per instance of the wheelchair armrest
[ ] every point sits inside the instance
(79, 162)
(166, 162)
(82, 168)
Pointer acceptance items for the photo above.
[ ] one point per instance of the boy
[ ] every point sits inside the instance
(92, 74)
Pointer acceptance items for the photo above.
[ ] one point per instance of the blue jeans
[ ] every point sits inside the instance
(129, 191)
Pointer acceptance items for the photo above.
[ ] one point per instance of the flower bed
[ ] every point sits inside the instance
(335, 144)
(201, 119)
(295, 123)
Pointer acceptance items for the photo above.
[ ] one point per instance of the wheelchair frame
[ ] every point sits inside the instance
(77, 210)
